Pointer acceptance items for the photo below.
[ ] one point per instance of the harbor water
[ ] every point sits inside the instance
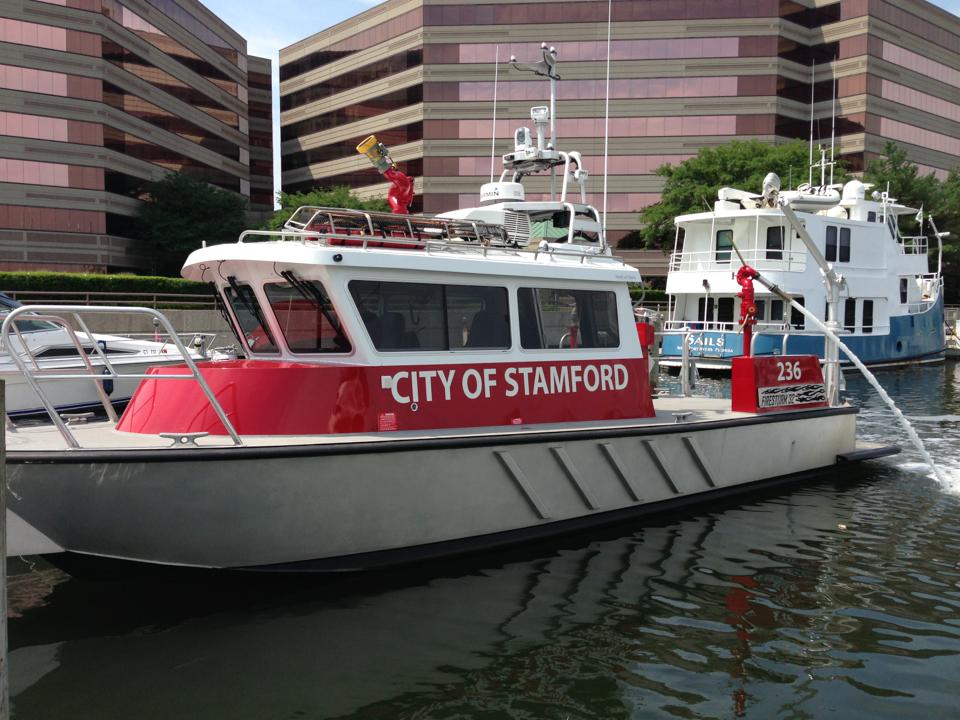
(840, 597)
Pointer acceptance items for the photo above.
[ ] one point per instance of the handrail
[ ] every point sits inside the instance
(31, 375)
(83, 297)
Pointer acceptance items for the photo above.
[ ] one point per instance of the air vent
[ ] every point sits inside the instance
(517, 226)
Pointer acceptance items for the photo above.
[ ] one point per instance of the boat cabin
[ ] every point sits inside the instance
(434, 323)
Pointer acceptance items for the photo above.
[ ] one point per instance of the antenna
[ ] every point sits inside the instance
(833, 119)
(813, 69)
(606, 123)
(493, 139)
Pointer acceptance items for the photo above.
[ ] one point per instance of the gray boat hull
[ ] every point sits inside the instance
(355, 505)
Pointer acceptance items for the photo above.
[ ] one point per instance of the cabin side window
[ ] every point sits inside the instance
(868, 316)
(850, 315)
(796, 317)
(403, 316)
(724, 246)
(775, 237)
(830, 248)
(567, 319)
(307, 319)
(252, 323)
(903, 291)
(843, 253)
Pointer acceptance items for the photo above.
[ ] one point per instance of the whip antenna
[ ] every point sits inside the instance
(606, 124)
(493, 140)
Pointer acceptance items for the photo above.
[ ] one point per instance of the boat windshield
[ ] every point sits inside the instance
(7, 304)
(306, 317)
(249, 315)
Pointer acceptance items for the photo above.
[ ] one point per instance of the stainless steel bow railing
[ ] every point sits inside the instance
(25, 360)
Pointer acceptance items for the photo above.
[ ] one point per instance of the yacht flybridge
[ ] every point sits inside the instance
(888, 303)
(408, 387)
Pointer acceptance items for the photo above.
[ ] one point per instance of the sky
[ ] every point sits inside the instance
(269, 26)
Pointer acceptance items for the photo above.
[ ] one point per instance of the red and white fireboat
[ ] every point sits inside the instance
(410, 387)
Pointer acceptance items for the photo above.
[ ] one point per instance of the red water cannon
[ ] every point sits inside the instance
(400, 194)
(748, 304)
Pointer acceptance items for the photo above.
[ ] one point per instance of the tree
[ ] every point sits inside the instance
(179, 213)
(947, 216)
(905, 182)
(692, 185)
(340, 196)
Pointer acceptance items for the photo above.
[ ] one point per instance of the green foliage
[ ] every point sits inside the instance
(692, 185)
(180, 213)
(651, 294)
(941, 199)
(340, 196)
(906, 184)
(92, 282)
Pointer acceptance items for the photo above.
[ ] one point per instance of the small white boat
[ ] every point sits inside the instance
(53, 349)
(410, 388)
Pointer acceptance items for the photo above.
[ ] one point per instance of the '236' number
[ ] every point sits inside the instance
(788, 371)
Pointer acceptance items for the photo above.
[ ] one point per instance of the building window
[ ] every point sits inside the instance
(868, 316)
(775, 237)
(307, 319)
(724, 245)
(427, 316)
(844, 254)
(850, 315)
(567, 319)
(246, 308)
(830, 254)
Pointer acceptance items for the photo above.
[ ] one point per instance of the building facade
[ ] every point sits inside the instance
(100, 97)
(685, 74)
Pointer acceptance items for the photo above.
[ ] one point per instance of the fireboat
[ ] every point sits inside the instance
(407, 387)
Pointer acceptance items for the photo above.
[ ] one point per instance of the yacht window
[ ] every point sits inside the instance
(850, 315)
(564, 319)
(796, 317)
(306, 317)
(844, 253)
(725, 309)
(724, 245)
(250, 318)
(775, 243)
(868, 316)
(830, 255)
(705, 309)
(776, 310)
(427, 316)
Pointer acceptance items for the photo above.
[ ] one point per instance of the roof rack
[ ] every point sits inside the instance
(340, 222)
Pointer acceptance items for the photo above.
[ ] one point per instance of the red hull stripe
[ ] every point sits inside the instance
(281, 398)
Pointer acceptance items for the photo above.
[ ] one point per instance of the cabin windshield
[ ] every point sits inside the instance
(307, 319)
(427, 316)
(250, 319)
(554, 226)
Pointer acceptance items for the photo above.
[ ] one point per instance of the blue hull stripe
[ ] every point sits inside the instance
(911, 337)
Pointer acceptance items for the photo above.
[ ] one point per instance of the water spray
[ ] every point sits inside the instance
(904, 423)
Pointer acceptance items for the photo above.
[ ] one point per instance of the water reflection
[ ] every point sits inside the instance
(841, 596)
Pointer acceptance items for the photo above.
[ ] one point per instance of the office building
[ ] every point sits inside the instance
(685, 74)
(100, 97)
